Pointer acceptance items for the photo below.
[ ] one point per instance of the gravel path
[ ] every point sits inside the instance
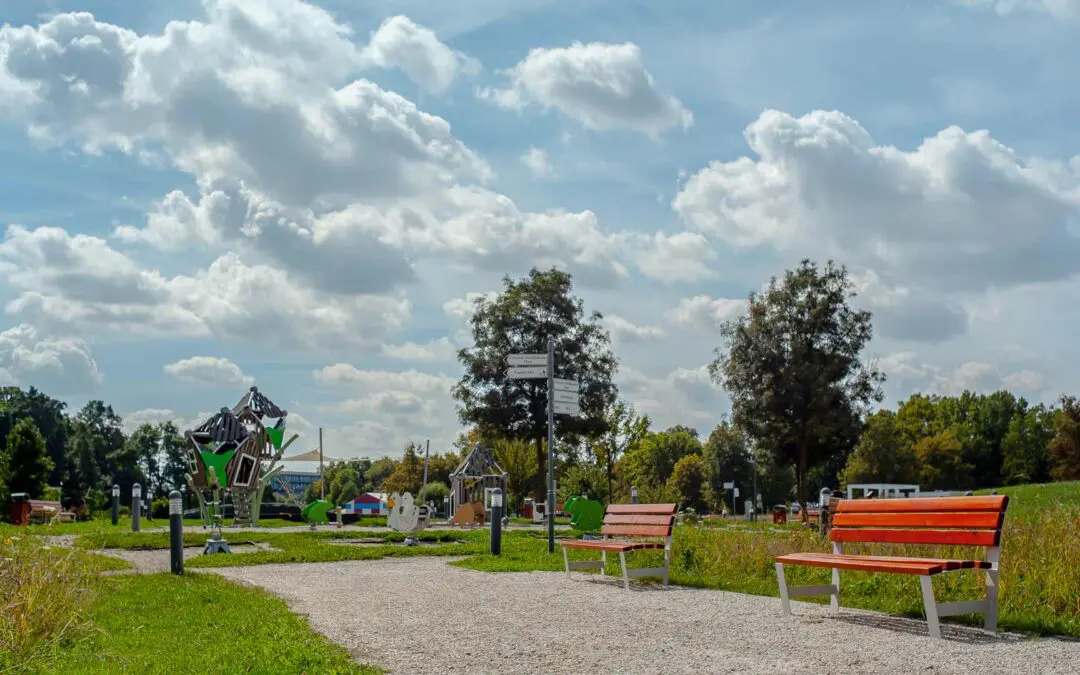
(154, 561)
(420, 615)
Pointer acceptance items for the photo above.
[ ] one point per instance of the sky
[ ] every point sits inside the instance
(199, 197)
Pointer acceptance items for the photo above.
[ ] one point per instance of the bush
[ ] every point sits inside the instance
(43, 591)
(125, 511)
(159, 508)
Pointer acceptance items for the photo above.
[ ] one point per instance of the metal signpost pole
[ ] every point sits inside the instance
(176, 532)
(322, 481)
(551, 443)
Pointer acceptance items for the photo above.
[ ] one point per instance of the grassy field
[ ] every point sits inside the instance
(124, 525)
(1040, 580)
(163, 623)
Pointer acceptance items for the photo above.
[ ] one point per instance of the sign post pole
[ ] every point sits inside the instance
(551, 443)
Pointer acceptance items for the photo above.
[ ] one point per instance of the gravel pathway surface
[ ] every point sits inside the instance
(154, 561)
(420, 615)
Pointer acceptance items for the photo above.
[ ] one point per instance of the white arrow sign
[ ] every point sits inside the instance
(565, 396)
(527, 372)
(567, 409)
(729, 485)
(566, 385)
(527, 359)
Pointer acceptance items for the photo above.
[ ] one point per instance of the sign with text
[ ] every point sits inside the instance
(566, 408)
(527, 372)
(527, 359)
(566, 385)
(565, 396)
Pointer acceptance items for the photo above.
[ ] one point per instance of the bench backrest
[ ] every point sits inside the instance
(639, 520)
(43, 504)
(946, 521)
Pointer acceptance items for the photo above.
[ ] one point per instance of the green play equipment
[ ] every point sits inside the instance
(316, 511)
(586, 515)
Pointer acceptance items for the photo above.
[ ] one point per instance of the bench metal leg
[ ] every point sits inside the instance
(566, 561)
(603, 564)
(625, 575)
(667, 563)
(784, 600)
(834, 599)
(930, 604)
(990, 618)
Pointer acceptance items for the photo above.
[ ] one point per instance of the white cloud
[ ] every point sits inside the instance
(1023, 380)
(210, 370)
(683, 396)
(678, 258)
(627, 332)
(435, 351)
(604, 86)
(1060, 9)
(417, 52)
(975, 376)
(58, 366)
(537, 161)
(705, 311)
(960, 214)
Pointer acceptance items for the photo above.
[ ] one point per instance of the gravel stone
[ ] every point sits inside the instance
(419, 615)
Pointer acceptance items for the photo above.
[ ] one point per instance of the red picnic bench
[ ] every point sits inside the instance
(651, 521)
(942, 521)
(48, 511)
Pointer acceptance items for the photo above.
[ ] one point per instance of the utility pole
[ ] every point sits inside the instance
(551, 443)
(322, 480)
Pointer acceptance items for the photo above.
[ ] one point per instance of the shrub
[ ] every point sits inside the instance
(159, 508)
(43, 591)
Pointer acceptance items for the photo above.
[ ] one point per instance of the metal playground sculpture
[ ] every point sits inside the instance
(237, 451)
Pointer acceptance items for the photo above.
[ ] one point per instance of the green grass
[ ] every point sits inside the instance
(104, 524)
(1040, 579)
(1029, 500)
(190, 624)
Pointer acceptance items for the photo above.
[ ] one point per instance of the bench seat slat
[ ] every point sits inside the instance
(611, 545)
(931, 537)
(643, 509)
(863, 564)
(939, 504)
(637, 519)
(949, 564)
(932, 519)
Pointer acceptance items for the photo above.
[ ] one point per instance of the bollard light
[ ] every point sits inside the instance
(176, 532)
(826, 493)
(136, 491)
(116, 491)
(496, 521)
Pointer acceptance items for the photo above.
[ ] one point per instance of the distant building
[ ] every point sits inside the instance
(881, 490)
(368, 504)
(295, 482)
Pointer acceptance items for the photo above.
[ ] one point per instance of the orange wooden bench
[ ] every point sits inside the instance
(46, 511)
(651, 521)
(943, 521)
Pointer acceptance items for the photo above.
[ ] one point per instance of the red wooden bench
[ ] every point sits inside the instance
(945, 521)
(651, 521)
(46, 511)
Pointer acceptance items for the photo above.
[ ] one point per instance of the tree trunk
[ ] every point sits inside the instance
(541, 461)
(800, 479)
(609, 498)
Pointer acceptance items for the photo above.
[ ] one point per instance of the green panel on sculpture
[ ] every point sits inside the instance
(587, 515)
(218, 462)
(276, 436)
(316, 511)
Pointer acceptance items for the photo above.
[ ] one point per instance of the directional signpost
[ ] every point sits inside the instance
(563, 399)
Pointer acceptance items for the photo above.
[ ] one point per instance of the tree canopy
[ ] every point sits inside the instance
(792, 367)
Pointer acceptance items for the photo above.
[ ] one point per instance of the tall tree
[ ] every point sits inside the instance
(521, 319)
(941, 462)
(625, 428)
(49, 417)
(649, 463)
(145, 445)
(84, 469)
(26, 460)
(174, 456)
(883, 454)
(408, 472)
(1065, 447)
(689, 481)
(1024, 447)
(518, 460)
(792, 367)
(727, 459)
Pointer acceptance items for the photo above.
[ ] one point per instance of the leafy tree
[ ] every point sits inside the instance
(791, 367)
(690, 482)
(145, 445)
(435, 492)
(625, 428)
(583, 479)
(174, 454)
(882, 455)
(49, 417)
(727, 458)
(941, 462)
(408, 473)
(521, 319)
(650, 462)
(1064, 449)
(517, 459)
(348, 492)
(377, 474)
(313, 491)
(26, 459)
(1024, 447)
(83, 465)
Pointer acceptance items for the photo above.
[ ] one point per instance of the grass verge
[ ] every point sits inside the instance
(163, 623)
(1040, 580)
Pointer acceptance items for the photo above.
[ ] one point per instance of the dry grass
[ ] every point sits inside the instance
(43, 591)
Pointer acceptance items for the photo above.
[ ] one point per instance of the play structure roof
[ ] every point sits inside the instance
(477, 463)
(223, 427)
(310, 456)
(256, 402)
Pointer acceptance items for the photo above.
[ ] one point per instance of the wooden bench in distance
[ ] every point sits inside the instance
(631, 523)
(942, 521)
(47, 511)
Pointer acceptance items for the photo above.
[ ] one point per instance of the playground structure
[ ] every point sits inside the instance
(236, 451)
(406, 516)
(470, 483)
(586, 514)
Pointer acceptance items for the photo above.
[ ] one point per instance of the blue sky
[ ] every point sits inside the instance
(303, 196)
